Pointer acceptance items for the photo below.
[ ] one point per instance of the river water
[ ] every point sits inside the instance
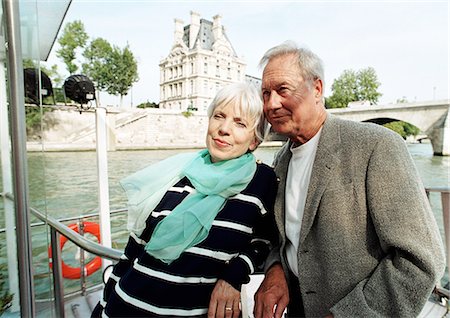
(63, 184)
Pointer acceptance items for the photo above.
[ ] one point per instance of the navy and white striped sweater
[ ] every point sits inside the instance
(237, 244)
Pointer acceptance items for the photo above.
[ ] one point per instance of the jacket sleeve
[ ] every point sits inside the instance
(252, 259)
(413, 257)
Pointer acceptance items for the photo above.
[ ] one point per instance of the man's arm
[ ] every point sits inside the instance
(272, 296)
(406, 229)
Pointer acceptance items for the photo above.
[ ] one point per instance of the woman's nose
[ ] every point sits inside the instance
(224, 127)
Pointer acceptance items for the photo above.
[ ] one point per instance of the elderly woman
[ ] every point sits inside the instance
(200, 222)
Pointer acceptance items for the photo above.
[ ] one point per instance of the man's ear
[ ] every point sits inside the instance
(318, 89)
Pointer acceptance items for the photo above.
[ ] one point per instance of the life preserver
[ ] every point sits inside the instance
(91, 267)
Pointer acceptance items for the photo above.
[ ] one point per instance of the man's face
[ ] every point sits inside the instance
(290, 104)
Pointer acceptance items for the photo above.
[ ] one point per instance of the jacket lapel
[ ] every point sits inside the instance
(325, 161)
(281, 166)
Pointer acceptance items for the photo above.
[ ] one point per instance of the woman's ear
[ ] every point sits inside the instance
(254, 144)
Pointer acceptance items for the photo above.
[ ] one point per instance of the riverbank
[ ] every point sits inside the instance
(66, 129)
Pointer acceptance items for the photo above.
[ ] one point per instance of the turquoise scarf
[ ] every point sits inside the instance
(189, 223)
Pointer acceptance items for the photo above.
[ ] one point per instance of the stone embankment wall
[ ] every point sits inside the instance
(67, 129)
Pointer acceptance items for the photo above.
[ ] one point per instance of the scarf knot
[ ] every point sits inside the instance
(189, 223)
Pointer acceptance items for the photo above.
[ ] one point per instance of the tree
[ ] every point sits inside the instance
(97, 65)
(354, 86)
(404, 129)
(148, 104)
(402, 100)
(344, 90)
(72, 38)
(123, 69)
(368, 85)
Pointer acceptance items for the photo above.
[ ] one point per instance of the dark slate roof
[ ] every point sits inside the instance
(205, 37)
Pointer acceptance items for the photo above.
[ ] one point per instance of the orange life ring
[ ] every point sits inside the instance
(91, 267)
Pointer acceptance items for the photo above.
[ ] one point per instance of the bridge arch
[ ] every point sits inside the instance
(430, 117)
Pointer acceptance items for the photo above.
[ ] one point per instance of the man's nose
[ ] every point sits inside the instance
(273, 102)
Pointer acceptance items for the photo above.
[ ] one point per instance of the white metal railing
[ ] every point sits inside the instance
(57, 226)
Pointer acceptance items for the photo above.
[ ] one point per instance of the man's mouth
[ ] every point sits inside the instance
(277, 117)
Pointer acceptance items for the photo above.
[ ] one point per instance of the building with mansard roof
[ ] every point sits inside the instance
(200, 62)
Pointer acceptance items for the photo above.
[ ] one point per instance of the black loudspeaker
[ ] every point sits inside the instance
(32, 85)
(79, 88)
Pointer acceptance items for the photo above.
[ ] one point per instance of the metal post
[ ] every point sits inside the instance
(58, 284)
(445, 199)
(5, 151)
(103, 185)
(20, 171)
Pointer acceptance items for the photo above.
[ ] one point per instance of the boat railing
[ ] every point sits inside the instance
(79, 240)
(445, 204)
(58, 227)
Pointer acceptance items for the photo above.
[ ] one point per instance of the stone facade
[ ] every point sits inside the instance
(201, 61)
(67, 129)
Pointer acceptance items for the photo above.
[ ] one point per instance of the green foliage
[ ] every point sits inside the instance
(410, 129)
(187, 113)
(368, 85)
(354, 86)
(148, 104)
(59, 95)
(344, 89)
(73, 37)
(111, 68)
(97, 65)
(5, 297)
(123, 70)
(397, 127)
(33, 117)
(404, 129)
(402, 100)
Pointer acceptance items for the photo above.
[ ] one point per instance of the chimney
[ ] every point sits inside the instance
(178, 34)
(217, 26)
(194, 28)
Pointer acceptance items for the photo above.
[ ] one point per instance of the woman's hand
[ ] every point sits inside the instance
(224, 301)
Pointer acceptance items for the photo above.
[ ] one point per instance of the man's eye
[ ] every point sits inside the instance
(282, 90)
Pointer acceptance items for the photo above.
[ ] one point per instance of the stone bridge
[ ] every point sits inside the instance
(431, 117)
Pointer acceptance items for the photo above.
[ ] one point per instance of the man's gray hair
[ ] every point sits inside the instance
(311, 66)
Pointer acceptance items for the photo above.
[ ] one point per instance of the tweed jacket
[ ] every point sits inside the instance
(369, 244)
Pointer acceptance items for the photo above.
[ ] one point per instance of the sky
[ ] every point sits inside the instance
(406, 42)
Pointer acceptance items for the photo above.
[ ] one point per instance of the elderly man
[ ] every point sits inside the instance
(357, 235)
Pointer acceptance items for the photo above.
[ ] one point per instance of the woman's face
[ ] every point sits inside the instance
(229, 134)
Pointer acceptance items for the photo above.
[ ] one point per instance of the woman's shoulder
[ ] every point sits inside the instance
(264, 173)
(263, 168)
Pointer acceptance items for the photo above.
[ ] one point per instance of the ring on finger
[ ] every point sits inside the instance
(228, 308)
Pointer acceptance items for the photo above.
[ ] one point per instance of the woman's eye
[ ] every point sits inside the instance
(218, 116)
(241, 124)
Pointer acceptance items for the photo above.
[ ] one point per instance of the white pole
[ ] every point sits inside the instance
(5, 150)
(103, 185)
